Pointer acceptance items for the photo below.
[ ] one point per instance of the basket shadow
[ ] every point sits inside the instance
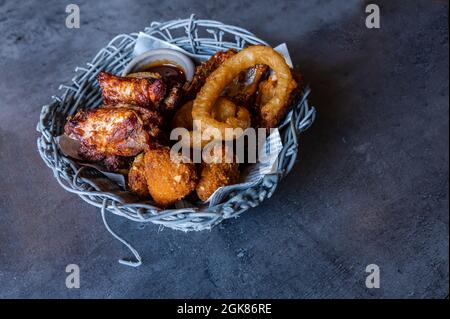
(316, 145)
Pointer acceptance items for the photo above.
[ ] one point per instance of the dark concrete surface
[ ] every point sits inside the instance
(371, 185)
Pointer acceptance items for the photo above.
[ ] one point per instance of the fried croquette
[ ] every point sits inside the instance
(137, 181)
(169, 178)
(217, 173)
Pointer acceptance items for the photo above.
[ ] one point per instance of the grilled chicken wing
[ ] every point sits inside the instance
(172, 100)
(152, 119)
(112, 163)
(145, 92)
(122, 131)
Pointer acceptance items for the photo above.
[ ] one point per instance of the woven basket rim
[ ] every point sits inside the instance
(68, 174)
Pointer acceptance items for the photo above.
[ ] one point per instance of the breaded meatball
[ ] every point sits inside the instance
(169, 179)
(136, 177)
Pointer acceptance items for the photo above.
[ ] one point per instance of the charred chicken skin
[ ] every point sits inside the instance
(152, 119)
(172, 100)
(122, 131)
(144, 92)
(144, 89)
(112, 163)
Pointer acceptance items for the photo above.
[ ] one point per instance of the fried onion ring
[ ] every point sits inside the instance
(224, 111)
(183, 117)
(229, 113)
(227, 71)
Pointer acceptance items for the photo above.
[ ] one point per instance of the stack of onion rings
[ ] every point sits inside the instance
(224, 111)
(227, 71)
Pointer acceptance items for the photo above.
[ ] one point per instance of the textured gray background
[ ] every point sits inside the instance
(371, 185)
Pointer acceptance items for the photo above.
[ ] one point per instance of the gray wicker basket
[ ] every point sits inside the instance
(201, 38)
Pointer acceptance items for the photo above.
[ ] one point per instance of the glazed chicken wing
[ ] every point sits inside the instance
(145, 92)
(121, 131)
(112, 163)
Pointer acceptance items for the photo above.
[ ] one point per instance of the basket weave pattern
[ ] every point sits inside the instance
(201, 38)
